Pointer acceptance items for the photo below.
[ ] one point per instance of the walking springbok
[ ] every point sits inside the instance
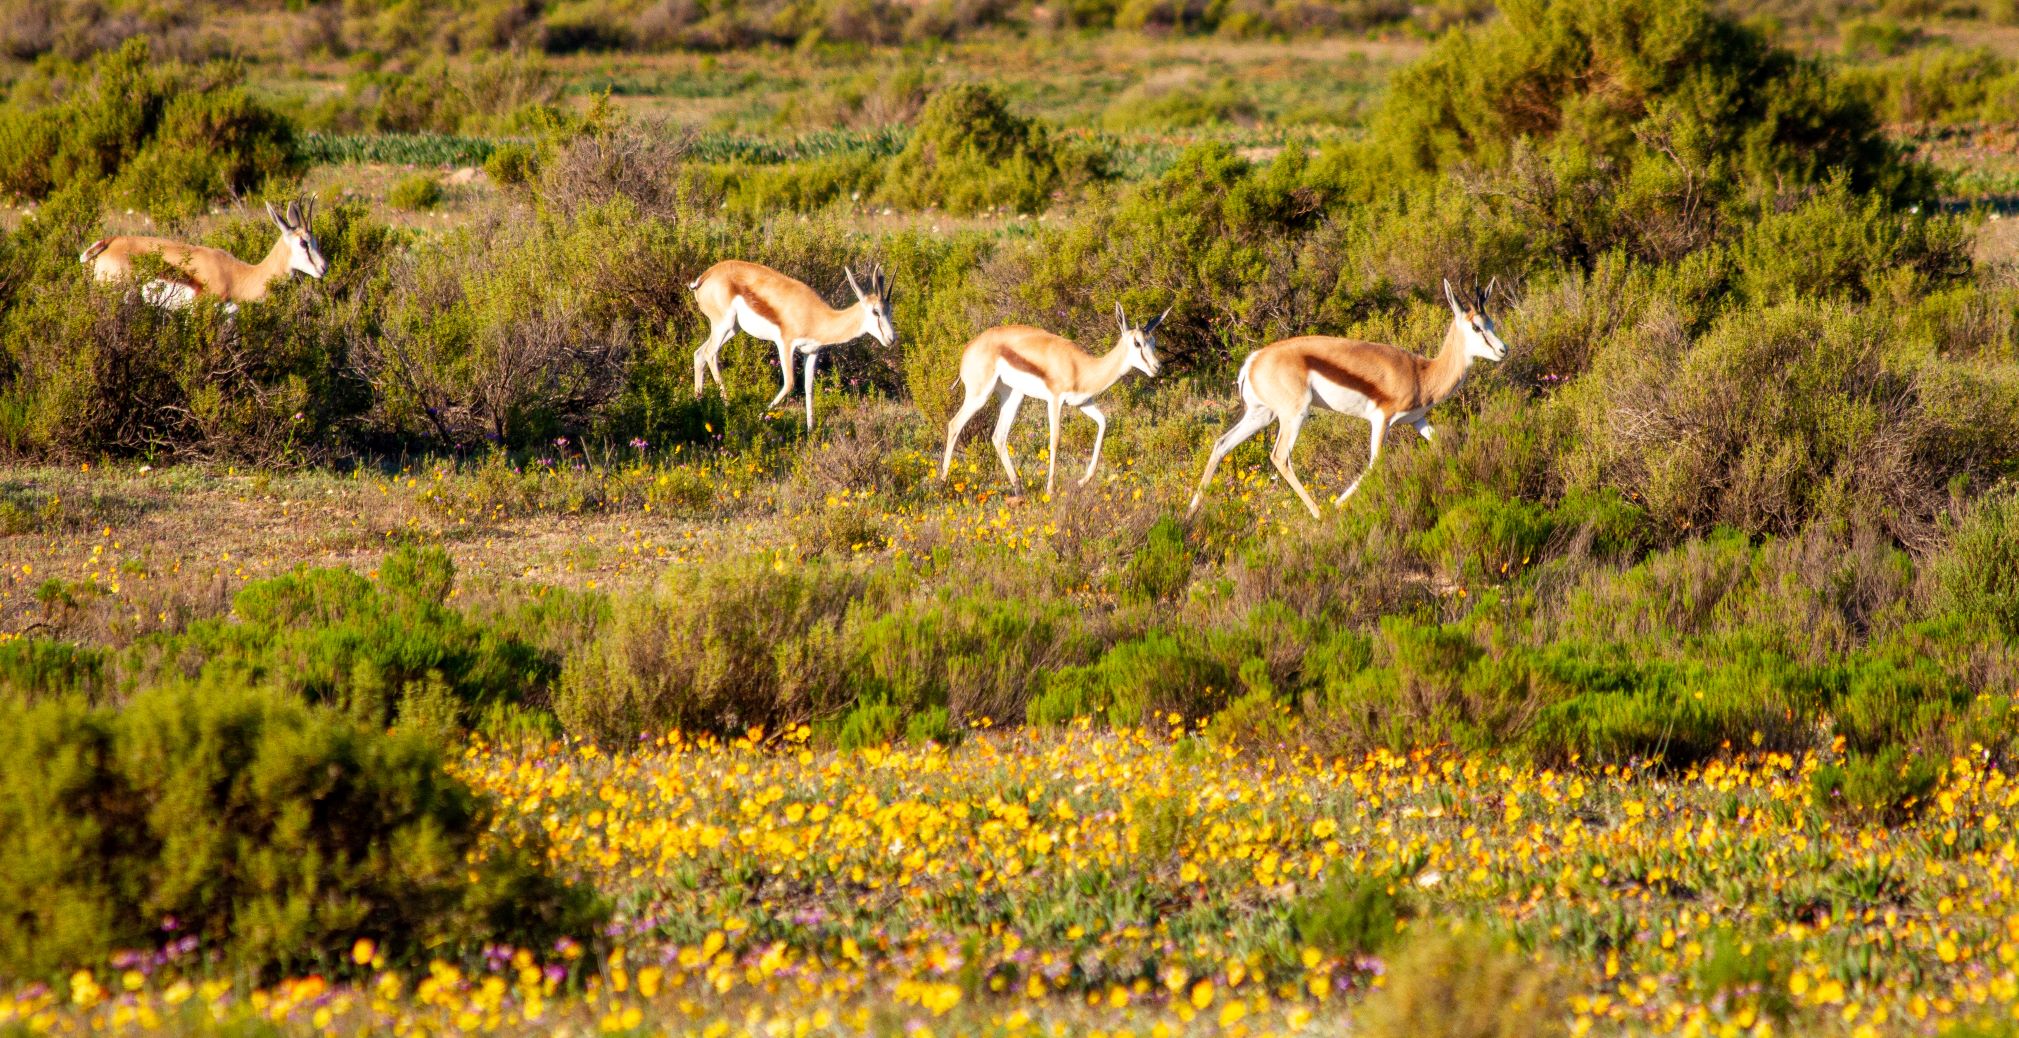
(199, 270)
(1372, 380)
(784, 312)
(1026, 361)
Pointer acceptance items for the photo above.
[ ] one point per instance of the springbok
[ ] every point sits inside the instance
(1373, 380)
(199, 270)
(784, 312)
(1027, 361)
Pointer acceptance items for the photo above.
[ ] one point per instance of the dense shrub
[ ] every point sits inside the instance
(506, 334)
(1772, 419)
(162, 136)
(1939, 85)
(415, 193)
(969, 152)
(1885, 788)
(1138, 682)
(1627, 84)
(1838, 245)
(1352, 914)
(1602, 125)
(387, 653)
(33, 669)
(1978, 576)
(273, 833)
(976, 656)
(715, 648)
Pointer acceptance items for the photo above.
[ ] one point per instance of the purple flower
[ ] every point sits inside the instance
(638, 443)
(561, 441)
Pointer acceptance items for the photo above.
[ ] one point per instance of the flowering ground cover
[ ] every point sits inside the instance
(1075, 882)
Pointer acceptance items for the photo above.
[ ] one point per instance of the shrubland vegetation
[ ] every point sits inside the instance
(1745, 485)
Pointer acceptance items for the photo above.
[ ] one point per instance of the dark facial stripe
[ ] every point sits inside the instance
(1334, 373)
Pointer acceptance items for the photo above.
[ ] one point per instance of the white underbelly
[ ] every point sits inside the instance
(1335, 397)
(748, 320)
(169, 295)
(1023, 381)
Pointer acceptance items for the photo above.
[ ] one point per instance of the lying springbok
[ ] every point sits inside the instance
(1026, 361)
(784, 312)
(1372, 380)
(199, 270)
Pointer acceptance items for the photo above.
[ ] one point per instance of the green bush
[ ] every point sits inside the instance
(1162, 567)
(273, 833)
(384, 653)
(1352, 915)
(1977, 577)
(1773, 419)
(969, 152)
(164, 136)
(1840, 245)
(33, 669)
(1938, 85)
(1430, 683)
(977, 657)
(416, 193)
(1485, 538)
(1885, 788)
(1633, 82)
(1650, 127)
(717, 648)
(1139, 682)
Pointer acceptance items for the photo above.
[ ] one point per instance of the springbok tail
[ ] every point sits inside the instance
(1241, 380)
(96, 249)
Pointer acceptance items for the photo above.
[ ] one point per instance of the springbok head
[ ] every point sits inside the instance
(296, 230)
(1141, 342)
(1482, 340)
(876, 300)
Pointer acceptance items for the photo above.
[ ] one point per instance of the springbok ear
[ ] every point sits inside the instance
(293, 215)
(1450, 297)
(879, 281)
(1121, 318)
(1155, 321)
(852, 286)
(275, 217)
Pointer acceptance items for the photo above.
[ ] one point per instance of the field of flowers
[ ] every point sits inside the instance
(1144, 883)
